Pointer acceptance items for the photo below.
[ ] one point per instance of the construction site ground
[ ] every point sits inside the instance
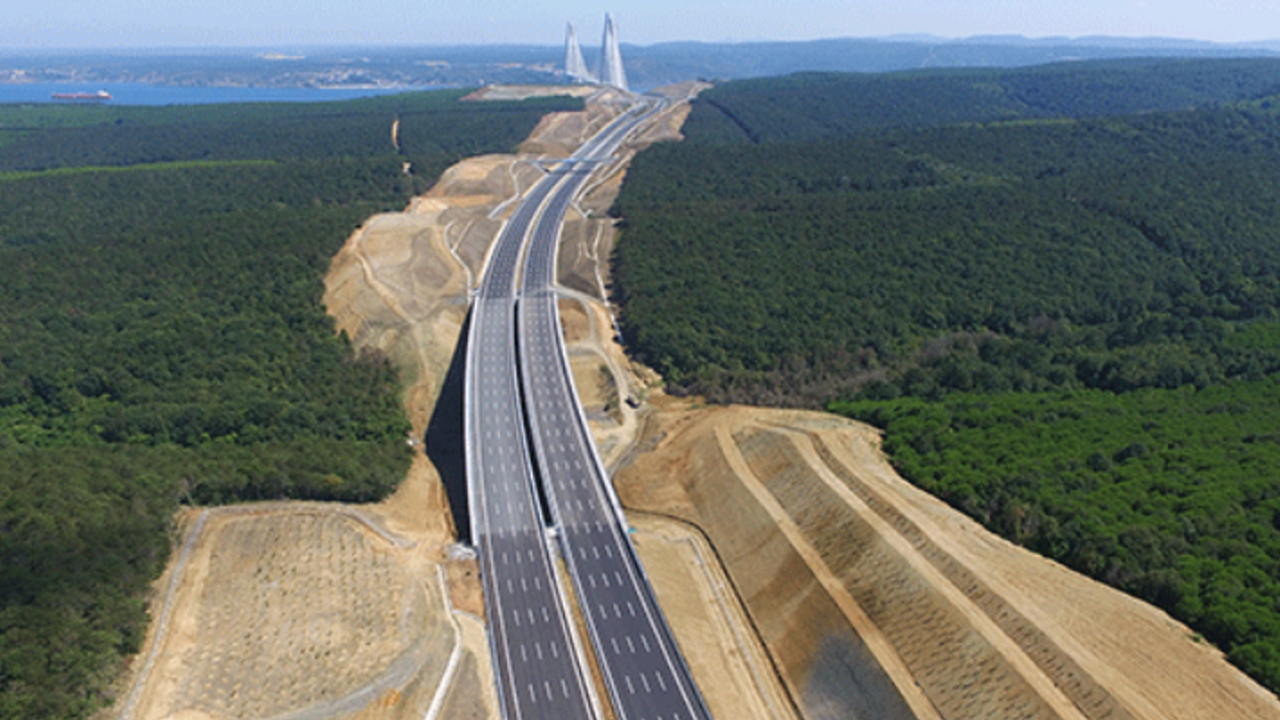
(801, 576)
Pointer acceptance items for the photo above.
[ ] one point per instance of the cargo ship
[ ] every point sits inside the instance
(100, 96)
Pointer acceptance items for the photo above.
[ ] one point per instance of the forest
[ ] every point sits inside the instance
(163, 342)
(905, 247)
(812, 106)
(1003, 255)
(1169, 495)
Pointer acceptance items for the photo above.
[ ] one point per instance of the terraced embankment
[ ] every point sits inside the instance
(876, 600)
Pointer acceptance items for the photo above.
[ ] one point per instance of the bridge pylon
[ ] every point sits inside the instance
(611, 70)
(574, 66)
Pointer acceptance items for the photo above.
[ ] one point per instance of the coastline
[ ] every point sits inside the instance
(138, 93)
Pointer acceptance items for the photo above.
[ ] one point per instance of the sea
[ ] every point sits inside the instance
(129, 93)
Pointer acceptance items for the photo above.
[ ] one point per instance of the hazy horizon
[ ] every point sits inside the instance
(995, 38)
(197, 24)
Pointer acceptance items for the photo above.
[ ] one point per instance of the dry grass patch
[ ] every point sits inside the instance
(294, 608)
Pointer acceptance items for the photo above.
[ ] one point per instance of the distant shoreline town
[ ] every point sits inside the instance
(647, 66)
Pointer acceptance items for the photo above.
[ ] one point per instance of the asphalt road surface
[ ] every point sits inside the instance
(538, 672)
(642, 667)
(535, 662)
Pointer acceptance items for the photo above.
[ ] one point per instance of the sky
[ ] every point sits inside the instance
(289, 23)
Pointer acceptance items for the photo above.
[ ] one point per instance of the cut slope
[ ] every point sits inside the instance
(859, 582)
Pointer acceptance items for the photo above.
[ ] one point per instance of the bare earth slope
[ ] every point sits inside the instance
(876, 599)
(299, 611)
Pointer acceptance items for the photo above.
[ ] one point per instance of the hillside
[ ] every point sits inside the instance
(874, 599)
(163, 341)
(1047, 252)
(821, 238)
(811, 106)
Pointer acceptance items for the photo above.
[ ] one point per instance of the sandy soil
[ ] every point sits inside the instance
(524, 92)
(826, 546)
(609, 385)
(465, 594)
(298, 610)
(730, 665)
(306, 611)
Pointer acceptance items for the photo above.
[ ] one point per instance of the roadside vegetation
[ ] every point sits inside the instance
(1056, 288)
(162, 341)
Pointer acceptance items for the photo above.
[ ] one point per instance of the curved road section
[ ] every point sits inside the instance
(512, 371)
(535, 664)
(642, 667)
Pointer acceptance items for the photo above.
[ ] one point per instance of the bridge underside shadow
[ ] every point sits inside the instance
(444, 443)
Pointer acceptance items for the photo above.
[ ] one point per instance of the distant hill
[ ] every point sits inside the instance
(678, 61)
(810, 106)
(647, 66)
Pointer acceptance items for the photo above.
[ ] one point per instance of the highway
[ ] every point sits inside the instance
(535, 662)
(538, 673)
(645, 674)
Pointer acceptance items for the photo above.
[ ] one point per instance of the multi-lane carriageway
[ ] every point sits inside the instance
(528, 447)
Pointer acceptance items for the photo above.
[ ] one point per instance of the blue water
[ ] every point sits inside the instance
(143, 94)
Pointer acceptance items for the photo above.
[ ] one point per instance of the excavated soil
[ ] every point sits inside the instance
(876, 600)
(713, 630)
(525, 92)
(297, 610)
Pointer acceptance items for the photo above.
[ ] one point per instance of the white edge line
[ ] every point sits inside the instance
(604, 487)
